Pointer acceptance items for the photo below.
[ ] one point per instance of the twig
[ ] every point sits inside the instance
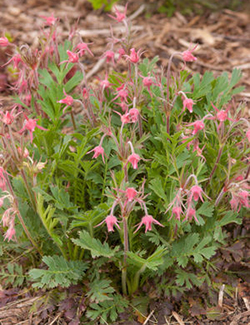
(97, 32)
(148, 318)
(53, 321)
(137, 12)
(221, 293)
(236, 319)
(178, 318)
(95, 68)
(246, 301)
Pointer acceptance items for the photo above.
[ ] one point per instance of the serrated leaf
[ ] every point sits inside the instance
(94, 245)
(107, 309)
(206, 210)
(60, 272)
(229, 217)
(152, 262)
(156, 186)
(100, 290)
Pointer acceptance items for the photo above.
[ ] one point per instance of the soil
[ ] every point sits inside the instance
(223, 40)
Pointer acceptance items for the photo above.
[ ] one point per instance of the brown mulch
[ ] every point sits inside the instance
(224, 44)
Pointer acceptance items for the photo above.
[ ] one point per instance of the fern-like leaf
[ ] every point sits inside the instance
(94, 245)
(13, 274)
(100, 290)
(60, 272)
(107, 310)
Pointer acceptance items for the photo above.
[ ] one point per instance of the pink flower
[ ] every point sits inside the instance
(30, 125)
(134, 159)
(8, 217)
(125, 118)
(177, 211)
(49, 21)
(85, 93)
(221, 115)
(4, 41)
(190, 214)
(121, 52)
(68, 100)
(148, 82)
(105, 83)
(248, 135)
(187, 55)
(134, 56)
(97, 152)
(130, 193)
(10, 233)
(147, 221)
(199, 150)
(3, 184)
(8, 117)
(16, 59)
(198, 125)
(122, 94)
(239, 199)
(234, 203)
(243, 198)
(73, 57)
(109, 56)
(82, 47)
(195, 193)
(111, 221)
(120, 16)
(134, 114)
(188, 103)
(23, 153)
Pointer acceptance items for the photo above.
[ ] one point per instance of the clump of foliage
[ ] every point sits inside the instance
(195, 6)
(102, 4)
(136, 185)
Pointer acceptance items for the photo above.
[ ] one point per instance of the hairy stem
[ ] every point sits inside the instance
(216, 164)
(20, 218)
(124, 269)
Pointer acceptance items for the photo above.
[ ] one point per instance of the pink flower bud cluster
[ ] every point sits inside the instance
(129, 197)
(194, 194)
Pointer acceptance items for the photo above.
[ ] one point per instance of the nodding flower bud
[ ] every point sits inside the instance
(130, 193)
(198, 125)
(187, 55)
(134, 159)
(110, 221)
(147, 220)
(49, 21)
(4, 41)
(97, 152)
(188, 103)
(23, 152)
(248, 135)
(120, 16)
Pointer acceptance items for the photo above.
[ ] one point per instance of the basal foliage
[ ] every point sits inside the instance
(87, 166)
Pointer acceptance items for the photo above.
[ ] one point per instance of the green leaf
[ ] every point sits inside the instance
(156, 186)
(12, 274)
(152, 262)
(108, 309)
(186, 248)
(187, 279)
(203, 87)
(206, 210)
(229, 217)
(94, 245)
(60, 272)
(100, 290)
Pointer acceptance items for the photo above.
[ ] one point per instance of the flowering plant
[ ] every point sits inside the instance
(101, 162)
